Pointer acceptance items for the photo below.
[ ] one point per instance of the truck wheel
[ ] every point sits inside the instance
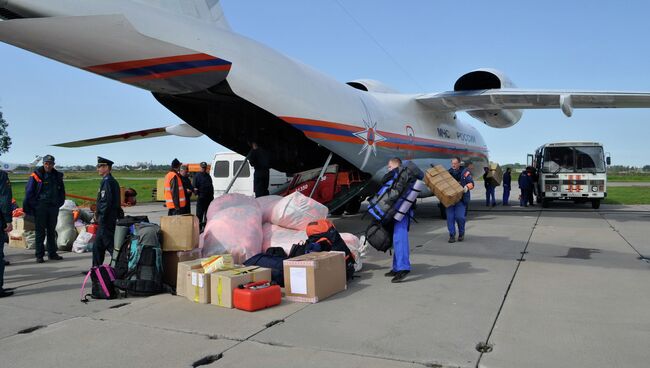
(595, 204)
(443, 211)
(546, 203)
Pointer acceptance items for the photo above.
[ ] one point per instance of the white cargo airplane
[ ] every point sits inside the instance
(11, 167)
(234, 89)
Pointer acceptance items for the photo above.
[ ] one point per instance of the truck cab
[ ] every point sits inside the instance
(224, 167)
(570, 171)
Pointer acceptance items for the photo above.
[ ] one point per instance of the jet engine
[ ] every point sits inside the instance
(483, 79)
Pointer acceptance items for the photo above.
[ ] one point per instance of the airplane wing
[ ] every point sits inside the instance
(180, 130)
(503, 99)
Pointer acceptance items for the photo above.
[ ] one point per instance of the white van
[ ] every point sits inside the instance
(225, 166)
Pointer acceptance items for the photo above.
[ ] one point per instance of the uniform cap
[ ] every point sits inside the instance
(48, 158)
(203, 164)
(176, 163)
(101, 160)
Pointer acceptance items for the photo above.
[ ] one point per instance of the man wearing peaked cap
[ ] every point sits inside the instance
(205, 191)
(44, 195)
(107, 212)
(174, 191)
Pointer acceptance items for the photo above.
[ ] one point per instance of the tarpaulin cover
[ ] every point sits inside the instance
(236, 230)
(266, 204)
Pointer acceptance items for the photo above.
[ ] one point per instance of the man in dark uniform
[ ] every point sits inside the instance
(5, 225)
(507, 180)
(189, 189)
(525, 184)
(108, 207)
(260, 160)
(44, 194)
(205, 191)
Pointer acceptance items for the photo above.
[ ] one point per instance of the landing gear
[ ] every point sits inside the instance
(352, 207)
(595, 204)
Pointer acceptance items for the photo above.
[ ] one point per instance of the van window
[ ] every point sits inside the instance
(221, 169)
(245, 172)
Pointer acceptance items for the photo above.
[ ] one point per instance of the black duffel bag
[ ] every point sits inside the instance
(379, 237)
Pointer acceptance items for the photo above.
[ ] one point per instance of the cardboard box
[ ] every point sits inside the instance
(495, 175)
(313, 277)
(198, 287)
(183, 269)
(170, 264)
(443, 185)
(17, 239)
(160, 189)
(223, 283)
(179, 232)
(25, 223)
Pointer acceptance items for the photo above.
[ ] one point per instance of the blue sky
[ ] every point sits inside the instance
(552, 44)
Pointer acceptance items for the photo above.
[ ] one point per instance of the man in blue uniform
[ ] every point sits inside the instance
(107, 212)
(507, 180)
(5, 225)
(489, 189)
(44, 194)
(456, 213)
(394, 184)
(205, 191)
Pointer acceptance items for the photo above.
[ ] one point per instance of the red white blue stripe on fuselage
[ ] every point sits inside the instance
(339, 132)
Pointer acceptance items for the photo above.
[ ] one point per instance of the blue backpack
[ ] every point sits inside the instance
(138, 270)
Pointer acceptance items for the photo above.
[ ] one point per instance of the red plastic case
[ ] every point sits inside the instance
(256, 295)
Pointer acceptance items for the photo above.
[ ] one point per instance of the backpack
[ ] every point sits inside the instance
(379, 237)
(275, 263)
(102, 278)
(122, 232)
(323, 233)
(138, 269)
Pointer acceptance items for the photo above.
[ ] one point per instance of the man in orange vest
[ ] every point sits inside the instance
(175, 199)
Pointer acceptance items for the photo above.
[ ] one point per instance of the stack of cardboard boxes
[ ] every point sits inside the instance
(23, 231)
(443, 185)
(308, 278)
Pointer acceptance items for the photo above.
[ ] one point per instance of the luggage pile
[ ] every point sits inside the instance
(251, 248)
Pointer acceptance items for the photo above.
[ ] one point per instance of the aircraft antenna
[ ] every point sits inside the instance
(378, 44)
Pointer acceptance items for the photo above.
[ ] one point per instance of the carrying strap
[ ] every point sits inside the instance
(84, 299)
(98, 273)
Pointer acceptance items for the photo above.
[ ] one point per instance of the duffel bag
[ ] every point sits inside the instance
(379, 237)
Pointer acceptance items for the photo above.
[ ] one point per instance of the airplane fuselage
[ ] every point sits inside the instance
(236, 90)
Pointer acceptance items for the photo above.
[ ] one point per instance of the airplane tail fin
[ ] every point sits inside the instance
(216, 14)
(36, 160)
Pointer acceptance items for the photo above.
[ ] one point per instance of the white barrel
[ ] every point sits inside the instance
(410, 199)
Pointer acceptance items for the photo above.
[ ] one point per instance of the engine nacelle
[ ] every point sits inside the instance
(370, 85)
(483, 79)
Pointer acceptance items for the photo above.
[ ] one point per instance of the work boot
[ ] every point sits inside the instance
(452, 239)
(390, 274)
(55, 257)
(400, 276)
(461, 237)
(40, 260)
(5, 293)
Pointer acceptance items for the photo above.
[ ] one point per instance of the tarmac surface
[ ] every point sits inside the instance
(563, 287)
